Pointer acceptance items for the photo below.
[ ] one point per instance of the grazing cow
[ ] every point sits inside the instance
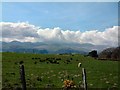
(79, 64)
(12, 73)
(21, 62)
(35, 62)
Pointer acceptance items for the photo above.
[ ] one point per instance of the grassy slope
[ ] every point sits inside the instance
(100, 74)
(0, 70)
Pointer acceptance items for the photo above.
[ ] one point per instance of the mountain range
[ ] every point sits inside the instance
(49, 48)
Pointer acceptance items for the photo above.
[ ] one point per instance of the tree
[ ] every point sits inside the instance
(110, 53)
(93, 53)
(106, 53)
(116, 54)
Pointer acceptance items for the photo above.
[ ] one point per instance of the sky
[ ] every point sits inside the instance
(60, 0)
(60, 21)
(72, 16)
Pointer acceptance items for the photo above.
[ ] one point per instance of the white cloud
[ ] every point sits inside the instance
(26, 32)
(18, 31)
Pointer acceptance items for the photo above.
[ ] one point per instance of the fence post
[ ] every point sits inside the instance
(84, 78)
(22, 77)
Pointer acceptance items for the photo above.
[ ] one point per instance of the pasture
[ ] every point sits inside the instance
(50, 70)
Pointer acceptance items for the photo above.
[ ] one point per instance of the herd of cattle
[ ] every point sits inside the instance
(52, 60)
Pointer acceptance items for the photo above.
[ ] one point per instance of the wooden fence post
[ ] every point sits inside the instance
(22, 77)
(84, 78)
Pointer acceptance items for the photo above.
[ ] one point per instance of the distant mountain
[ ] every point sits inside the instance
(47, 47)
(69, 51)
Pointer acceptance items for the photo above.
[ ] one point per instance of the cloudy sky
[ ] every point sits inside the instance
(88, 22)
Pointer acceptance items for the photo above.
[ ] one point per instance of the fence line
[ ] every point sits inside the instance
(23, 81)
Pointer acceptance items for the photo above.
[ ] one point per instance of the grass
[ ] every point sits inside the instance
(100, 74)
(0, 70)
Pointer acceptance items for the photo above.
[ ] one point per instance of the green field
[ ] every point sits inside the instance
(40, 73)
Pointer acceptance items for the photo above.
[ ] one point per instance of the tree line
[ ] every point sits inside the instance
(109, 53)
